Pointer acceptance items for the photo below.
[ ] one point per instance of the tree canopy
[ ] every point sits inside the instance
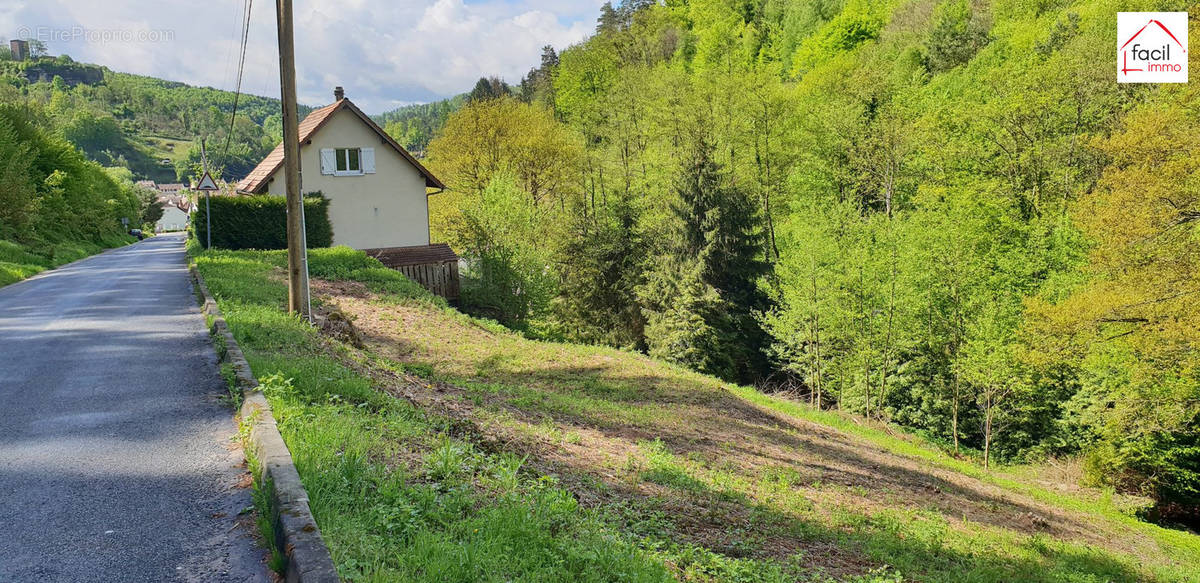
(940, 214)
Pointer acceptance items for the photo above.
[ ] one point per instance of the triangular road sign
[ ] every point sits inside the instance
(206, 183)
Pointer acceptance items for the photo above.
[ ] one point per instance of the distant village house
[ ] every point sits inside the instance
(177, 207)
(176, 212)
(171, 189)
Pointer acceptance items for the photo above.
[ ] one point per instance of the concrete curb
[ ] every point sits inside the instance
(296, 533)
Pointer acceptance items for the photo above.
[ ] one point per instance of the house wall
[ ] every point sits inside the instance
(385, 209)
(173, 219)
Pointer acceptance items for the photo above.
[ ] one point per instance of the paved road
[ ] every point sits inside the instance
(115, 457)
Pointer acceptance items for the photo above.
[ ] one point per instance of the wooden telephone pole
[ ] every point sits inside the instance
(298, 298)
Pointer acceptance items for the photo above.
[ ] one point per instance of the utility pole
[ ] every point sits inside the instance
(207, 195)
(298, 300)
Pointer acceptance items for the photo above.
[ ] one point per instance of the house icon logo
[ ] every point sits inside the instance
(1152, 47)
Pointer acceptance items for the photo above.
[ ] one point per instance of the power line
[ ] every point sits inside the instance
(229, 52)
(247, 6)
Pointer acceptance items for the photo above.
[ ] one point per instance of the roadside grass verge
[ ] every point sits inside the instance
(449, 449)
(397, 493)
(20, 261)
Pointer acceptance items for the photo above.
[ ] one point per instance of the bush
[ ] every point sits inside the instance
(260, 222)
(1162, 465)
(50, 192)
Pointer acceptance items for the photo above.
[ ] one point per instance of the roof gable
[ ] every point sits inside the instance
(256, 181)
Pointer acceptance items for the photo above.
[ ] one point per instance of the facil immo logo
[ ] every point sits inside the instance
(1152, 47)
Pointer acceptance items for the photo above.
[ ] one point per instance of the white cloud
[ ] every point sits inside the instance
(384, 54)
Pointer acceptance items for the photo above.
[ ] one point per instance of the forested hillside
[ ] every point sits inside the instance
(414, 125)
(150, 126)
(942, 214)
(75, 137)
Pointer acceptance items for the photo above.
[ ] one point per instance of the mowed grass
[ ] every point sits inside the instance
(449, 449)
(19, 261)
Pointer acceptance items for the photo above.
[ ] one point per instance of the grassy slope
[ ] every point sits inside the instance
(19, 261)
(158, 147)
(447, 449)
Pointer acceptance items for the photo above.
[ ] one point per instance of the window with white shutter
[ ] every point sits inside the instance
(347, 162)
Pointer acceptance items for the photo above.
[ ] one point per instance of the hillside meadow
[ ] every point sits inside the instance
(439, 447)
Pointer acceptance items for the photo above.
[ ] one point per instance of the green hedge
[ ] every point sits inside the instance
(260, 222)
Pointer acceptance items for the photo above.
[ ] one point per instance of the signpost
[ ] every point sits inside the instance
(206, 185)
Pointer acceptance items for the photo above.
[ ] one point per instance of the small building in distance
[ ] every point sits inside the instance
(171, 189)
(177, 212)
(19, 49)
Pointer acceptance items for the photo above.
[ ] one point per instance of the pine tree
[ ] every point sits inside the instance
(715, 265)
(610, 19)
(538, 83)
(487, 88)
(601, 272)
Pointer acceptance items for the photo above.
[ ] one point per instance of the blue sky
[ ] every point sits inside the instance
(384, 53)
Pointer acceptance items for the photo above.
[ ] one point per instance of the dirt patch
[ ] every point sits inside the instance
(586, 417)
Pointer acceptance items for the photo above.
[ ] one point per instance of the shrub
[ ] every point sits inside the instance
(260, 222)
(50, 192)
(506, 278)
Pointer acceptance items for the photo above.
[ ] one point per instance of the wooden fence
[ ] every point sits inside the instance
(435, 267)
(438, 278)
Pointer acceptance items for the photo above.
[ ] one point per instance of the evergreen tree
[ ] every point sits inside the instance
(601, 271)
(538, 83)
(488, 88)
(714, 264)
(610, 19)
(687, 322)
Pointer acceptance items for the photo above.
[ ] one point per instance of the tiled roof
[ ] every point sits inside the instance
(415, 255)
(178, 202)
(256, 181)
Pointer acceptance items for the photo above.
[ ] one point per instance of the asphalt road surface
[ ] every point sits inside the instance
(115, 451)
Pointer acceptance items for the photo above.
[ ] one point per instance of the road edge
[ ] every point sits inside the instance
(297, 536)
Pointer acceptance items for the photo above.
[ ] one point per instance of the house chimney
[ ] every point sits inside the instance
(339, 93)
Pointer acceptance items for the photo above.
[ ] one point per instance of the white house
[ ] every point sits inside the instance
(176, 212)
(377, 190)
